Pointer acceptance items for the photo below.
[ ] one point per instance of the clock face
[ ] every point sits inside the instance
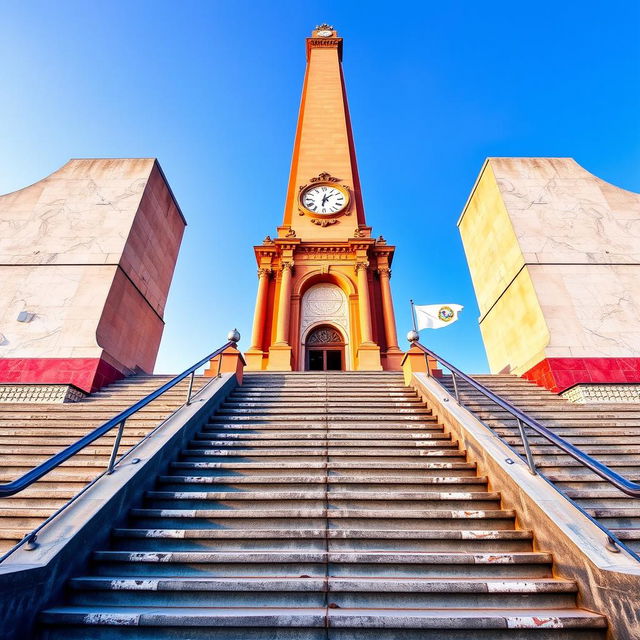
(325, 34)
(324, 200)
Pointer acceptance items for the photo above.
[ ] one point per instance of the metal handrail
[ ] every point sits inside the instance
(620, 482)
(26, 480)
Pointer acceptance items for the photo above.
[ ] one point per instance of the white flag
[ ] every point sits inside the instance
(436, 316)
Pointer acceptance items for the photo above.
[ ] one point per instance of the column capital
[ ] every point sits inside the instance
(264, 271)
(384, 271)
(286, 265)
(362, 264)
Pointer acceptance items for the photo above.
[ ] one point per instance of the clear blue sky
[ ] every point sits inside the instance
(212, 90)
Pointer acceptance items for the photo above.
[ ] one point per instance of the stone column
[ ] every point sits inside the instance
(284, 305)
(261, 309)
(387, 308)
(364, 303)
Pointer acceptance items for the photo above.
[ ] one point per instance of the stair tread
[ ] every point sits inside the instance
(470, 534)
(513, 557)
(321, 495)
(239, 583)
(290, 616)
(321, 512)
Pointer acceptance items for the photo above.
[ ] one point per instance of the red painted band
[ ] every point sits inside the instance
(88, 374)
(558, 374)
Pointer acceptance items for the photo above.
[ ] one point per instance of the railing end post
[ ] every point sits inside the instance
(31, 542)
(611, 545)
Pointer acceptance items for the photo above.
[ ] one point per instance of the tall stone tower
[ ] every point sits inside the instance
(324, 296)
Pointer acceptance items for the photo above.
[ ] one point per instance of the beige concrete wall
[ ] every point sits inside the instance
(515, 328)
(554, 255)
(75, 245)
(68, 301)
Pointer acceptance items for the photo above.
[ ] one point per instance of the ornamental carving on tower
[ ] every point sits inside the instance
(324, 336)
(324, 302)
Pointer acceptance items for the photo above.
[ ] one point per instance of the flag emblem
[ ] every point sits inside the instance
(446, 314)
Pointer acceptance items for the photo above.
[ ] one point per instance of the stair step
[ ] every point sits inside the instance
(353, 534)
(437, 619)
(321, 495)
(307, 479)
(321, 512)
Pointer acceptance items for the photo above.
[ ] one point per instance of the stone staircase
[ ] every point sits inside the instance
(321, 506)
(32, 433)
(609, 433)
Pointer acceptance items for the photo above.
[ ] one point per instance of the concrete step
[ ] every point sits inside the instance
(305, 478)
(333, 517)
(334, 436)
(314, 563)
(407, 467)
(310, 403)
(322, 539)
(339, 499)
(312, 623)
(325, 427)
(340, 591)
(313, 444)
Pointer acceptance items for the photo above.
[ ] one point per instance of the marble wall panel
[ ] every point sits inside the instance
(80, 214)
(563, 214)
(67, 302)
(490, 244)
(151, 251)
(591, 310)
(129, 329)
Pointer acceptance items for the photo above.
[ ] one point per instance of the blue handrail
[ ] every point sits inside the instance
(26, 480)
(620, 482)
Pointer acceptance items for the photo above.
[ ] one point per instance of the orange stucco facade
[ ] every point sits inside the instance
(323, 268)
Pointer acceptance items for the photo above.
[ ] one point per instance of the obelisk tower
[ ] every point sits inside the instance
(324, 297)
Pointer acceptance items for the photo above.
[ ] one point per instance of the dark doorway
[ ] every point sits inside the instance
(316, 360)
(325, 350)
(333, 358)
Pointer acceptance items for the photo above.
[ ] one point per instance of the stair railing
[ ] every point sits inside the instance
(119, 421)
(606, 473)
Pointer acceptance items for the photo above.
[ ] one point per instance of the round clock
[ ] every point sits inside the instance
(324, 33)
(324, 199)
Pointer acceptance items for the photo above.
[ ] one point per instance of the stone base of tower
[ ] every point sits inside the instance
(255, 359)
(369, 358)
(392, 360)
(280, 358)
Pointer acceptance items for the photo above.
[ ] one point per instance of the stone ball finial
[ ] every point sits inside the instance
(413, 336)
(233, 336)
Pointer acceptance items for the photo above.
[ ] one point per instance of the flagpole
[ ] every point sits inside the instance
(413, 316)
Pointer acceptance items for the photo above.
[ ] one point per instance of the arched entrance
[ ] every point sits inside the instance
(324, 306)
(324, 350)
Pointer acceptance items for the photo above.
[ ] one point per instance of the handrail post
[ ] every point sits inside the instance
(426, 359)
(527, 448)
(455, 387)
(116, 446)
(219, 365)
(193, 373)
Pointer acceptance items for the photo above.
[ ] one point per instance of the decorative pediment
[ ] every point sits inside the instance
(324, 177)
(324, 335)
